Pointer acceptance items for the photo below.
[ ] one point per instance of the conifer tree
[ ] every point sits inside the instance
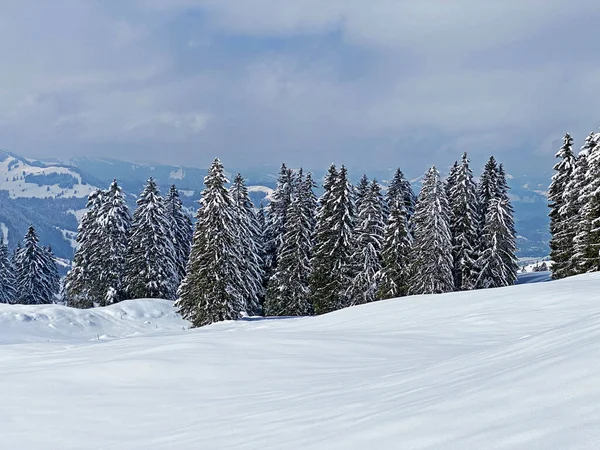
(488, 188)
(181, 231)
(497, 262)
(571, 211)
(288, 292)
(34, 285)
(51, 270)
(395, 253)
(368, 239)
(209, 292)
(114, 223)
(561, 244)
(249, 233)
(361, 192)
(464, 226)
(451, 180)
(82, 284)
(400, 188)
(432, 246)
(151, 266)
(333, 243)
(277, 217)
(8, 282)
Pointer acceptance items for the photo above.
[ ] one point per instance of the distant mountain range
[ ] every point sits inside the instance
(51, 195)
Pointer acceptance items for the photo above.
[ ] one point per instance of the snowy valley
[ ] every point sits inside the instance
(508, 368)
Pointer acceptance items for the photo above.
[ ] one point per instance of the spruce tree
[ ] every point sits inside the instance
(209, 292)
(497, 262)
(51, 270)
(151, 262)
(114, 223)
(361, 192)
(432, 247)
(400, 188)
(34, 284)
(277, 217)
(451, 179)
(368, 239)
(250, 235)
(181, 231)
(464, 226)
(395, 253)
(561, 244)
(488, 188)
(333, 243)
(82, 284)
(288, 292)
(8, 282)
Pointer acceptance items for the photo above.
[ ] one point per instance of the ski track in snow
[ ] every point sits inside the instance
(510, 368)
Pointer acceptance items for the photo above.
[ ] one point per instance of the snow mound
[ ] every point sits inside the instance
(510, 368)
(52, 323)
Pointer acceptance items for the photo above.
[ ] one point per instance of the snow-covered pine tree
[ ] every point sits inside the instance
(451, 179)
(333, 243)
(288, 292)
(277, 217)
(181, 231)
(587, 238)
(361, 191)
(34, 286)
(114, 223)
(82, 284)
(8, 282)
(365, 262)
(151, 266)
(432, 246)
(400, 188)
(561, 244)
(51, 270)
(497, 262)
(464, 226)
(395, 253)
(488, 188)
(250, 236)
(209, 292)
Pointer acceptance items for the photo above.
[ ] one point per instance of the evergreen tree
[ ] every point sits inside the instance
(464, 226)
(277, 217)
(209, 292)
(368, 240)
(51, 270)
(498, 264)
(400, 188)
(181, 231)
(8, 282)
(288, 292)
(333, 243)
(432, 245)
(151, 265)
(250, 235)
(34, 285)
(114, 223)
(395, 253)
(82, 284)
(561, 244)
(361, 192)
(488, 188)
(452, 179)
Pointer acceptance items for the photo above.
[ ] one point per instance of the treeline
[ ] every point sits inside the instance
(574, 201)
(300, 255)
(30, 275)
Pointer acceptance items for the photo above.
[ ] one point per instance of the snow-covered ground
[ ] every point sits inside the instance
(511, 368)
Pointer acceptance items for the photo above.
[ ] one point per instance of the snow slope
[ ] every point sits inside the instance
(511, 368)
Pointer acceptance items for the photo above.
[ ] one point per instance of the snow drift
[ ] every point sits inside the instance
(510, 368)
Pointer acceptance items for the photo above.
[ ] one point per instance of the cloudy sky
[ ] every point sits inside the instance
(369, 83)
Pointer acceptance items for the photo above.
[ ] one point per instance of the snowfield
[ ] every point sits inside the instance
(511, 368)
